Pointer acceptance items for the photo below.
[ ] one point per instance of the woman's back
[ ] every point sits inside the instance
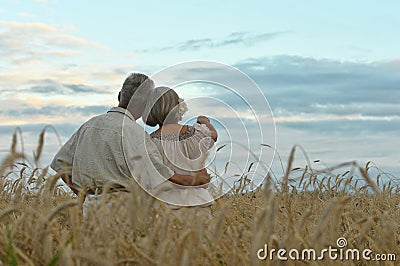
(185, 152)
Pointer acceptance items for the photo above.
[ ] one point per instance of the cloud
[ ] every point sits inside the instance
(50, 114)
(303, 72)
(346, 127)
(245, 38)
(367, 109)
(49, 86)
(49, 105)
(196, 44)
(25, 15)
(28, 42)
(311, 87)
(305, 92)
(233, 39)
(65, 129)
(299, 84)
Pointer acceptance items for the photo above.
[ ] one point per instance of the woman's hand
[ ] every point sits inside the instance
(202, 178)
(202, 119)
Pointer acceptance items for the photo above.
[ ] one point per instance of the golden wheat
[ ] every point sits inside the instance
(42, 224)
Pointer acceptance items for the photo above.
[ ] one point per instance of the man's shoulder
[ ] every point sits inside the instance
(109, 119)
(115, 121)
(95, 118)
(94, 121)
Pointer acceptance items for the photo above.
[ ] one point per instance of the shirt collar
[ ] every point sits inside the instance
(122, 111)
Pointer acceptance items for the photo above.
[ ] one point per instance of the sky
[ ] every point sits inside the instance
(330, 71)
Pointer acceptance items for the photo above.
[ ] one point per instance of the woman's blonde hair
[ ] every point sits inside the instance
(163, 107)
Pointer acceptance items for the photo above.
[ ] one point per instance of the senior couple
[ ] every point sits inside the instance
(110, 151)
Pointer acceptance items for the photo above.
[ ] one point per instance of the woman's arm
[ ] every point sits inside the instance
(204, 120)
(186, 180)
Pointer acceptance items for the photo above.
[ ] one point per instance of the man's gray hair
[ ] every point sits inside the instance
(136, 85)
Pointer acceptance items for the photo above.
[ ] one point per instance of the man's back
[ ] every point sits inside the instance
(111, 148)
(95, 151)
(99, 153)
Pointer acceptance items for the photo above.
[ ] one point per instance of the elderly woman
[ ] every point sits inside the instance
(183, 148)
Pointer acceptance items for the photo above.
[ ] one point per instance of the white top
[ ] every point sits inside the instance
(111, 148)
(185, 153)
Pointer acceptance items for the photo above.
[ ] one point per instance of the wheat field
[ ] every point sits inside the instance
(42, 224)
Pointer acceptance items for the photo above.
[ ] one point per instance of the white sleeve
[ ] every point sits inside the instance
(203, 134)
(144, 160)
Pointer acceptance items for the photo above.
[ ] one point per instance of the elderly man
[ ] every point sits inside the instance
(113, 148)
